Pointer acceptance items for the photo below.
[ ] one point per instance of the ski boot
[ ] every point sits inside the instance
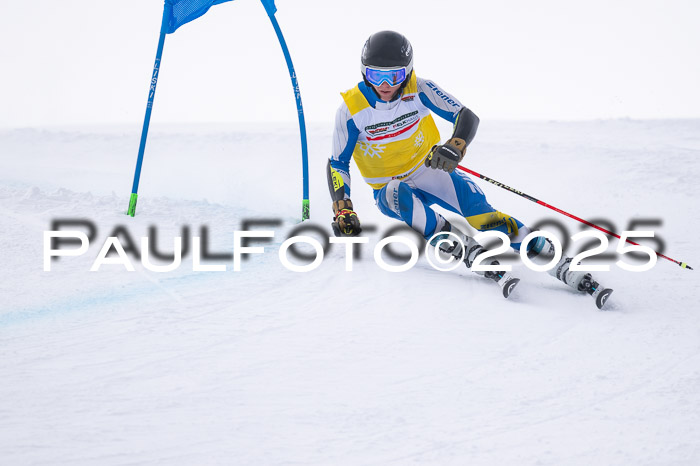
(543, 251)
(467, 251)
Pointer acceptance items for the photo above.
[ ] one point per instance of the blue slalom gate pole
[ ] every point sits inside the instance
(271, 9)
(167, 9)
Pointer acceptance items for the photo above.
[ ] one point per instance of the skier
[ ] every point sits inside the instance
(385, 124)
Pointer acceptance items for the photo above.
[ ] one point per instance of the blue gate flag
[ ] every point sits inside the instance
(184, 11)
(179, 12)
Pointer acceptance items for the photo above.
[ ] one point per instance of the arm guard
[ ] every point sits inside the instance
(336, 184)
(465, 126)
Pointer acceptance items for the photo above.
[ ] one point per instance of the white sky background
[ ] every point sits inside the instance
(78, 62)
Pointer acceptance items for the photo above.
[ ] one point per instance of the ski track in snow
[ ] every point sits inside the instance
(268, 366)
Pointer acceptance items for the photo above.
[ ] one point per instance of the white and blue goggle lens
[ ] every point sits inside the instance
(377, 76)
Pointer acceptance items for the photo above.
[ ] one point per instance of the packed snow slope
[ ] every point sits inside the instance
(268, 366)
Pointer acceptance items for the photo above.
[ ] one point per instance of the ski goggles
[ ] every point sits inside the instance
(392, 76)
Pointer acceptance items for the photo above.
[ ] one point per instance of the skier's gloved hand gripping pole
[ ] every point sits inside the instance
(447, 156)
(526, 196)
(345, 221)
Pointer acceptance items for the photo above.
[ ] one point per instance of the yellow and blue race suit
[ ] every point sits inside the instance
(389, 142)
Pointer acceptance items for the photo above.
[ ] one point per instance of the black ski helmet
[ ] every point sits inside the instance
(386, 49)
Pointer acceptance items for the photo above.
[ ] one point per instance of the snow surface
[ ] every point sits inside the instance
(269, 366)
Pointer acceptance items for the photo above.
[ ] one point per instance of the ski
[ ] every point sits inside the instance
(507, 284)
(601, 296)
(506, 281)
(596, 290)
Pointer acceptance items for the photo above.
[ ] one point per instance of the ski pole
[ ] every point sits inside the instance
(593, 225)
